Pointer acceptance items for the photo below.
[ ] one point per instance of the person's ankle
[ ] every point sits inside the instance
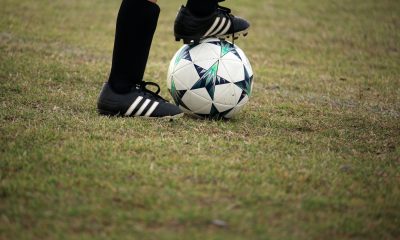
(201, 9)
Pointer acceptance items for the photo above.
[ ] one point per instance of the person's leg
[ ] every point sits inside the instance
(136, 24)
(125, 93)
(202, 7)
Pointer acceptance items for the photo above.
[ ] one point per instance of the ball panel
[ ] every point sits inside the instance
(197, 103)
(231, 56)
(222, 108)
(203, 52)
(234, 69)
(223, 72)
(234, 111)
(177, 83)
(205, 110)
(202, 92)
(226, 94)
(186, 76)
(181, 64)
(243, 101)
(245, 61)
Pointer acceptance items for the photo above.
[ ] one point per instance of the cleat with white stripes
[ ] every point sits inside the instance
(221, 24)
(139, 102)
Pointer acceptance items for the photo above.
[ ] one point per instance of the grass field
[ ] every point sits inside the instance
(315, 155)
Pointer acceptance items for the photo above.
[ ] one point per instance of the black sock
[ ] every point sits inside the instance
(136, 24)
(202, 7)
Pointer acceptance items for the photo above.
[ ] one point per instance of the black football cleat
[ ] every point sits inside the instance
(139, 102)
(220, 24)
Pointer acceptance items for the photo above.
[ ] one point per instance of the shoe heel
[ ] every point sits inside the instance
(187, 41)
(191, 41)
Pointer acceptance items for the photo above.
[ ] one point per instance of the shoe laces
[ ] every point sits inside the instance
(147, 92)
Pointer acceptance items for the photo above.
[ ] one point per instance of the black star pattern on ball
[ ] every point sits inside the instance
(245, 84)
(215, 114)
(209, 79)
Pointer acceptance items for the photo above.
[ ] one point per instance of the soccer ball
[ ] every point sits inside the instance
(213, 79)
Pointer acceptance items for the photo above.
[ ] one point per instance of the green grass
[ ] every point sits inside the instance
(315, 155)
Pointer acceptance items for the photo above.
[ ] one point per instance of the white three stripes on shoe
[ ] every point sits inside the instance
(212, 27)
(217, 26)
(151, 110)
(133, 106)
(227, 27)
(143, 106)
(141, 109)
(221, 25)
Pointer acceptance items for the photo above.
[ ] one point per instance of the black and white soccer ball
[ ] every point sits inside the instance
(213, 79)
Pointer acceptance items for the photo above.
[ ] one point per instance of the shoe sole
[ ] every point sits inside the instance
(113, 114)
(191, 40)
